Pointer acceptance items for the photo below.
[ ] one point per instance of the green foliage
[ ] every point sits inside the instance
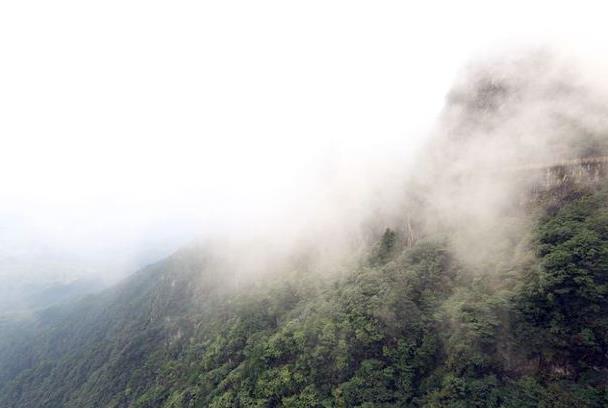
(565, 301)
(408, 327)
(385, 249)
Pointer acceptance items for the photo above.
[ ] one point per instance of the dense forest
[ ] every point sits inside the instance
(410, 325)
(489, 289)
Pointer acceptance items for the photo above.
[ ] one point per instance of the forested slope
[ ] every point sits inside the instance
(410, 326)
(489, 289)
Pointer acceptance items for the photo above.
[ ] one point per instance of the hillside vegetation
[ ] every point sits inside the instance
(489, 289)
(410, 326)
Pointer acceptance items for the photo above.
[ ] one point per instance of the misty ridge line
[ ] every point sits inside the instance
(466, 181)
(522, 107)
(515, 127)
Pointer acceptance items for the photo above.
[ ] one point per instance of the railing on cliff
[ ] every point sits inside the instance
(581, 162)
(558, 175)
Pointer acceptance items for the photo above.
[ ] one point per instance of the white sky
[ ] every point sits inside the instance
(125, 121)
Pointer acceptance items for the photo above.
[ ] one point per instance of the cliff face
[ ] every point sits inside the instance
(532, 109)
(511, 127)
(554, 182)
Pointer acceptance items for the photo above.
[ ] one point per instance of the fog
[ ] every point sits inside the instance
(508, 118)
(132, 128)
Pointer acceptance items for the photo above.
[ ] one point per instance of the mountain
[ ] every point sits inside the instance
(409, 326)
(491, 289)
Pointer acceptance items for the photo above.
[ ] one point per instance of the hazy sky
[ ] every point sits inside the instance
(127, 124)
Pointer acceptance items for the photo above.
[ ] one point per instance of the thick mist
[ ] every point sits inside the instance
(468, 177)
(474, 181)
(508, 119)
(299, 126)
